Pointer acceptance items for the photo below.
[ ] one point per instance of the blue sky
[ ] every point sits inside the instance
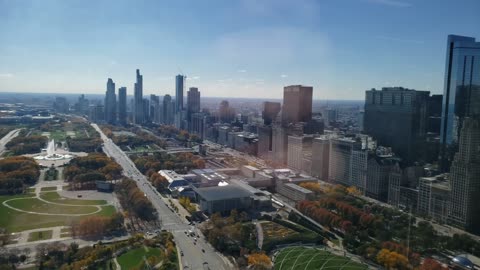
(244, 48)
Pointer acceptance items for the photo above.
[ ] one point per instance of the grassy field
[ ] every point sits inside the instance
(55, 197)
(134, 257)
(35, 205)
(15, 221)
(58, 135)
(296, 258)
(48, 189)
(41, 235)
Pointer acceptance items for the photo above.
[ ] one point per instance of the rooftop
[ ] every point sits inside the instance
(222, 192)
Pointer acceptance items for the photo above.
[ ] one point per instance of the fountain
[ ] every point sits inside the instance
(51, 155)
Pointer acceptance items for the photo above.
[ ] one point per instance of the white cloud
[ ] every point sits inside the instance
(193, 78)
(271, 46)
(241, 71)
(6, 75)
(284, 76)
(392, 3)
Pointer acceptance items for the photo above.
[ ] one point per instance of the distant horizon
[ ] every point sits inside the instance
(101, 95)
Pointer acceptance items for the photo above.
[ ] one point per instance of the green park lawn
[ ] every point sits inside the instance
(48, 188)
(296, 258)
(15, 221)
(41, 235)
(58, 135)
(134, 257)
(55, 197)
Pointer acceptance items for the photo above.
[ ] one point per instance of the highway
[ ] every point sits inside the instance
(199, 255)
(3, 141)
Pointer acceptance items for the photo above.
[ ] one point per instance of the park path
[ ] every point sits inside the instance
(259, 234)
(3, 141)
(56, 232)
(117, 265)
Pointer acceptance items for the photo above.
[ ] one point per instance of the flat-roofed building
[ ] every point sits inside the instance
(223, 199)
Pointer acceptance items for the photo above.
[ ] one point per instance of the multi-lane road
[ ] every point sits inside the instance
(197, 254)
(3, 141)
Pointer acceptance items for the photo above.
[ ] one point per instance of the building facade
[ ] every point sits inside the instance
(297, 104)
(122, 105)
(138, 111)
(396, 117)
(461, 94)
(110, 103)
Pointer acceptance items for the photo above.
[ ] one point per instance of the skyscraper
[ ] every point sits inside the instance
(461, 94)
(193, 103)
(168, 110)
(270, 111)
(465, 175)
(154, 107)
(138, 111)
(397, 117)
(179, 84)
(110, 103)
(297, 104)
(122, 105)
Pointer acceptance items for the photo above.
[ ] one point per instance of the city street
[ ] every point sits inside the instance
(199, 255)
(3, 141)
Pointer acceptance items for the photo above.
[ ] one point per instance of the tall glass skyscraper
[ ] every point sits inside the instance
(110, 103)
(122, 105)
(461, 96)
(179, 81)
(138, 111)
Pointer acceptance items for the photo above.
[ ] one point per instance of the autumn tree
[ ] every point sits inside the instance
(392, 259)
(431, 264)
(259, 261)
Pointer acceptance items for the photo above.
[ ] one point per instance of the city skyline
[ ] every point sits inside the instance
(250, 49)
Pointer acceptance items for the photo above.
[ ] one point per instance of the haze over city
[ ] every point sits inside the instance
(241, 48)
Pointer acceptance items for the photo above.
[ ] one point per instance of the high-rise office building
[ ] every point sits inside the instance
(465, 175)
(270, 111)
(122, 105)
(320, 157)
(60, 105)
(179, 86)
(138, 110)
(397, 117)
(193, 103)
(461, 94)
(348, 163)
(298, 146)
(264, 141)
(154, 106)
(225, 112)
(297, 104)
(168, 109)
(146, 110)
(110, 103)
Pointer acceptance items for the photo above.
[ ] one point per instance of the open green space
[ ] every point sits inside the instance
(307, 258)
(31, 190)
(58, 135)
(48, 189)
(41, 235)
(134, 257)
(15, 221)
(38, 206)
(56, 198)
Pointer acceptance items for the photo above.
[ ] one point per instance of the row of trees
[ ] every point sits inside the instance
(181, 135)
(141, 137)
(230, 235)
(17, 173)
(26, 145)
(187, 204)
(134, 201)
(181, 162)
(97, 226)
(82, 172)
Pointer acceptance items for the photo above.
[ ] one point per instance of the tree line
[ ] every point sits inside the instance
(83, 172)
(134, 201)
(17, 174)
(181, 162)
(22, 144)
